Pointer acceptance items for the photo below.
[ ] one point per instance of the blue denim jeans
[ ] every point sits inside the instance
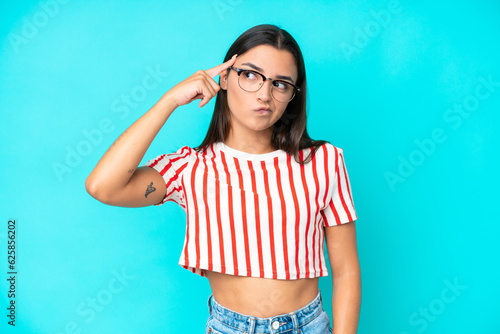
(310, 319)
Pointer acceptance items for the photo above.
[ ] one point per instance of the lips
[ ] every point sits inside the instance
(263, 110)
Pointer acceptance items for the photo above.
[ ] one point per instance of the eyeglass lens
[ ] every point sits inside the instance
(280, 90)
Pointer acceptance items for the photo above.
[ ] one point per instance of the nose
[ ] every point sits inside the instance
(264, 92)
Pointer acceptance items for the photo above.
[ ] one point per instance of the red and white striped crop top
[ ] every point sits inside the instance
(259, 215)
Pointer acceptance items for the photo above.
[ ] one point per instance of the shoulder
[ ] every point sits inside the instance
(174, 157)
(187, 153)
(183, 151)
(329, 151)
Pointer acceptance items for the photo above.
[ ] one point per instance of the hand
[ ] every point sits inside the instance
(200, 85)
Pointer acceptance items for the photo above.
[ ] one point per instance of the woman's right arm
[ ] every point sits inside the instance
(116, 179)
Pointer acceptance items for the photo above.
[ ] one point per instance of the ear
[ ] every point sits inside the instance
(223, 80)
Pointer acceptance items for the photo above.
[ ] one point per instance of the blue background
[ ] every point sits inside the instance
(377, 89)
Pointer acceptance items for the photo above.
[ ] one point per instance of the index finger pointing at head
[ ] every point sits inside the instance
(214, 71)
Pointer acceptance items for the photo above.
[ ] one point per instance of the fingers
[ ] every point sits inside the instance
(206, 98)
(214, 71)
(208, 92)
(212, 91)
(211, 85)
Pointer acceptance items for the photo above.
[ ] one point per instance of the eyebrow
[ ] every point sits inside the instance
(255, 67)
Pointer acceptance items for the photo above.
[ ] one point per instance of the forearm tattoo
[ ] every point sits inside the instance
(117, 139)
(149, 189)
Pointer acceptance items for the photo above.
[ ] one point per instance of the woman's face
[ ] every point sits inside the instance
(243, 104)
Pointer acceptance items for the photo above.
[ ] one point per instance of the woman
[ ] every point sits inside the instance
(260, 195)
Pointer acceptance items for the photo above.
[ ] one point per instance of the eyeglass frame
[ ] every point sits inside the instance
(240, 70)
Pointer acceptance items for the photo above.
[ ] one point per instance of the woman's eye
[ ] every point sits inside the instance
(281, 85)
(249, 75)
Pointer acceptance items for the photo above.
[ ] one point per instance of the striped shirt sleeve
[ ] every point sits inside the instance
(340, 207)
(170, 166)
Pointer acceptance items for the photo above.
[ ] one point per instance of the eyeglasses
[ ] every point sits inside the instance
(252, 81)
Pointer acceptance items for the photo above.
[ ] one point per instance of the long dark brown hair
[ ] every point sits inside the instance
(289, 132)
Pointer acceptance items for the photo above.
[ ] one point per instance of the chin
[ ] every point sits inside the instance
(260, 126)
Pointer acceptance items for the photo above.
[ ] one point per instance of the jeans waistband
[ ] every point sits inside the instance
(276, 324)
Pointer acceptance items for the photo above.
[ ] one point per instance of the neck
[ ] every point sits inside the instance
(253, 142)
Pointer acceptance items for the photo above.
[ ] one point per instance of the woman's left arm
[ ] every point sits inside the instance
(346, 273)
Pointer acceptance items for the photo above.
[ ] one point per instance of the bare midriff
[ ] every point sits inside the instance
(261, 297)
